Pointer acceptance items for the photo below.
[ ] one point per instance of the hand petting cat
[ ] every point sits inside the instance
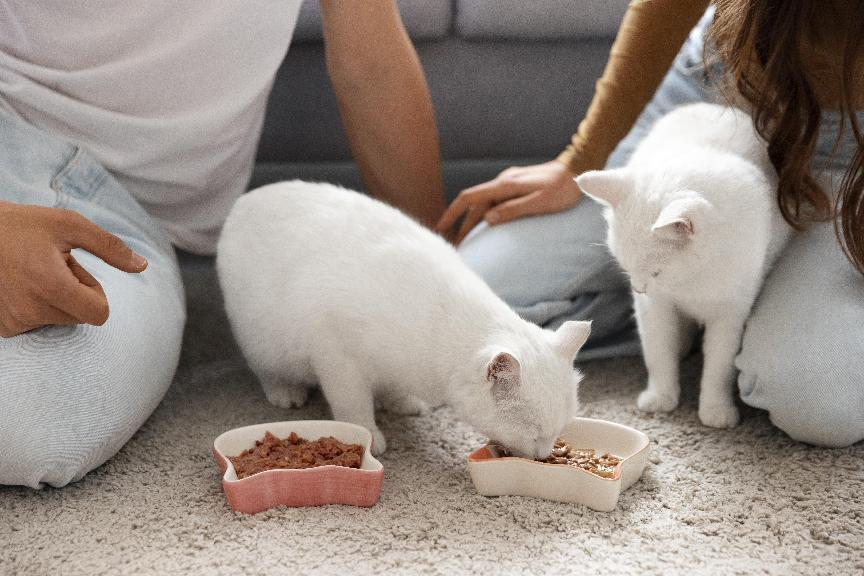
(516, 192)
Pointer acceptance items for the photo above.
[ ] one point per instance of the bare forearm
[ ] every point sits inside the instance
(385, 105)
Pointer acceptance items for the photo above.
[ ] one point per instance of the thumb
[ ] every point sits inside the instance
(81, 233)
(517, 208)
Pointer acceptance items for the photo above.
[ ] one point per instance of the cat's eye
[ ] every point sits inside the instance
(655, 274)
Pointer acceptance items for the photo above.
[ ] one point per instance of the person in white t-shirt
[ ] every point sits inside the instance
(126, 129)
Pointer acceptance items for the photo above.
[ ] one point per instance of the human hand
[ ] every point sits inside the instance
(41, 283)
(516, 192)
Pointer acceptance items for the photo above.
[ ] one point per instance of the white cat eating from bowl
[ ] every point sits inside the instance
(327, 286)
(693, 220)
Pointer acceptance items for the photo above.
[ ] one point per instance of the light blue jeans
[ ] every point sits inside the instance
(72, 396)
(802, 356)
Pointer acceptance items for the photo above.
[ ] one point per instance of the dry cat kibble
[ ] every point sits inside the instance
(585, 458)
(295, 452)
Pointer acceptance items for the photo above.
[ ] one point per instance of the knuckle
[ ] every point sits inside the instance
(505, 216)
(112, 243)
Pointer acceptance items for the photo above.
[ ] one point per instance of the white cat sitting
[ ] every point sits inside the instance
(694, 222)
(323, 285)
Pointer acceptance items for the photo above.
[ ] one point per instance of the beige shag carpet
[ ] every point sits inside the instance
(742, 501)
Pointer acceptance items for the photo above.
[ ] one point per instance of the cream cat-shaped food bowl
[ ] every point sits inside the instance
(494, 475)
(299, 487)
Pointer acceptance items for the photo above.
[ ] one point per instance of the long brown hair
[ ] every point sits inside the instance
(762, 44)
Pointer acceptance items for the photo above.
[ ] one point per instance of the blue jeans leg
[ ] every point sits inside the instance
(74, 395)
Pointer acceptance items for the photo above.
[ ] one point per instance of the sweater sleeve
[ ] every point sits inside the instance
(650, 36)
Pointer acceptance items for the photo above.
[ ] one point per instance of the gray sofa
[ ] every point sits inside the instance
(510, 81)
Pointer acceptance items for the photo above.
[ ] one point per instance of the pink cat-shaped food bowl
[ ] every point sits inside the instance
(300, 487)
(494, 475)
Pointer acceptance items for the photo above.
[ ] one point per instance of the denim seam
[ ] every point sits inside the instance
(81, 185)
(57, 181)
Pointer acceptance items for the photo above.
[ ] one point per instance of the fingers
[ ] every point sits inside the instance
(485, 194)
(543, 201)
(81, 296)
(472, 218)
(517, 208)
(81, 233)
(81, 274)
(38, 315)
(40, 282)
(515, 193)
(51, 316)
(72, 297)
(451, 215)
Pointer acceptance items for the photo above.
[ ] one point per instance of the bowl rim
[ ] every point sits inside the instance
(376, 467)
(644, 443)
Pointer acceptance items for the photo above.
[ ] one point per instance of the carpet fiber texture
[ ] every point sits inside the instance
(742, 501)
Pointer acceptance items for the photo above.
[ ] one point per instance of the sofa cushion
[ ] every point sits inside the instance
(424, 19)
(546, 20)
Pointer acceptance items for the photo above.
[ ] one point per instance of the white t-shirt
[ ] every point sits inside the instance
(169, 95)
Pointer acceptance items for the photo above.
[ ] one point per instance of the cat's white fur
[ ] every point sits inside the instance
(692, 219)
(327, 286)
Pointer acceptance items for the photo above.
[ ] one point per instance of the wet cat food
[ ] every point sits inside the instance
(295, 452)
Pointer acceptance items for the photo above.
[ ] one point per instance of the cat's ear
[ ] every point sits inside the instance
(606, 186)
(571, 336)
(503, 374)
(678, 219)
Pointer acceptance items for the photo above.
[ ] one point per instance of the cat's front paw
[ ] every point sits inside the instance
(379, 443)
(653, 401)
(288, 396)
(719, 415)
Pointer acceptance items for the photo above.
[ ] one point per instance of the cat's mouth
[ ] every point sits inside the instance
(500, 450)
(638, 290)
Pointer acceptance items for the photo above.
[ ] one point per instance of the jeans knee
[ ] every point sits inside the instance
(822, 422)
(819, 411)
(35, 458)
(75, 401)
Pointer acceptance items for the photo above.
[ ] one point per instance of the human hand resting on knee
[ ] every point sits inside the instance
(41, 283)
(514, 193)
